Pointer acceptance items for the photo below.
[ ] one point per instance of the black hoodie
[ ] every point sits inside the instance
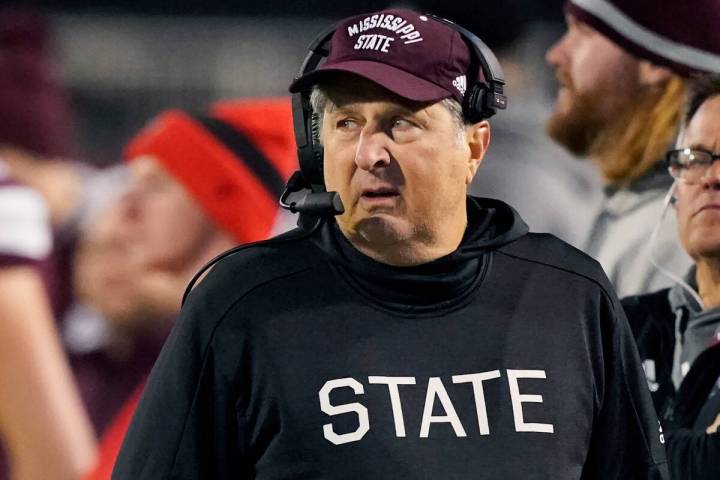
(671, 328)
(300, 357)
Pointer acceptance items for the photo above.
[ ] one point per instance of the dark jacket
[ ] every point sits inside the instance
(300, 357)
(687, 411)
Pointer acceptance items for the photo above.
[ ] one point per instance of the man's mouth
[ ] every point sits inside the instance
(379, 197)
(709, 206)
(563, 79)
(380, 193)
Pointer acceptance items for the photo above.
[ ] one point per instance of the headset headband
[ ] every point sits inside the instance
(491, 68)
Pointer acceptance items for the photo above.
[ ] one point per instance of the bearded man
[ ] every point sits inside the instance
(622, 66)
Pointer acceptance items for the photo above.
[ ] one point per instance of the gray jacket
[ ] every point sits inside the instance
(620, 235)
(695, 328)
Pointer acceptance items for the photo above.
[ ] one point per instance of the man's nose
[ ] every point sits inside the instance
(372, 152)
(556, 53)
(129, 205)
(711, 179)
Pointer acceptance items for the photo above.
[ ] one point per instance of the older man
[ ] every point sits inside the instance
(422, 333)
(621, 66)
(678, 329)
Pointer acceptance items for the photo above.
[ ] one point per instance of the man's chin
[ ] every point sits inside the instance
(569, 131)
(574, 122)
(383, 229)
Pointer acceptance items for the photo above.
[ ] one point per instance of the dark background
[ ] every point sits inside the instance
(500, 21)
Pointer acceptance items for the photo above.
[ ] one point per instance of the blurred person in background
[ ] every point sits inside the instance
(678, 329)
(199, 185)
(621, 67)
(43, 426)
(37, 130)
(535, 176)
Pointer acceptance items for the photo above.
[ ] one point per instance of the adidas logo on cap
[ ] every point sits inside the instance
(460, 83)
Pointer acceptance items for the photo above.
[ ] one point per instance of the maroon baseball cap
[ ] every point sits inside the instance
(411, 54)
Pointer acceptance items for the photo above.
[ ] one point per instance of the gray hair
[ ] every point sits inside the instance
(319, 101)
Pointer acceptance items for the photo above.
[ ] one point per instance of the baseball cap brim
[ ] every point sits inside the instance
(398, 81)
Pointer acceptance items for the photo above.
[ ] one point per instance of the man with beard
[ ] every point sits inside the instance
(621, 67)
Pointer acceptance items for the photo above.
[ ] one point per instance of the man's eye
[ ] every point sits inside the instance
(581, 27)
(402, 123)
(346, 124)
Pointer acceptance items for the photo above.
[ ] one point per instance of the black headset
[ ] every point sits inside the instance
(481, 101)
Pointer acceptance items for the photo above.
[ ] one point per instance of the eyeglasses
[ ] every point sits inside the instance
(690, 164)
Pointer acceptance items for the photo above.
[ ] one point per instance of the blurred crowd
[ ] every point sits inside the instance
(94, 261)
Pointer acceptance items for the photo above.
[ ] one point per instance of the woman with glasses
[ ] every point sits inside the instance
(678, 329)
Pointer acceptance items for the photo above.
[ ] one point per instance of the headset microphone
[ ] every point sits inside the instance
(307, 185)
(314, 203)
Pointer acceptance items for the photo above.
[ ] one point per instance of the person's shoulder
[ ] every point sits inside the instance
(250, 266)
(547, 251)
(290, 251)
(233, 279)
(654, 307)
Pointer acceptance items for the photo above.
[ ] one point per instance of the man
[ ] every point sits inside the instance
(134, 261)
(400, 339)
(678, 330)
(221, 171)
(620, 66)
(201, 184)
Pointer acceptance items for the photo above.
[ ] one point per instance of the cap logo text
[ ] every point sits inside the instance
(373, 41)
(399, 26)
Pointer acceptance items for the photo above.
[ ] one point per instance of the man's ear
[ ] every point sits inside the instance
(478, 138)
(651, 75)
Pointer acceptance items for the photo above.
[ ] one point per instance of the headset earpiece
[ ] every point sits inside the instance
(474, 108)
(481, 102)
(482, 99)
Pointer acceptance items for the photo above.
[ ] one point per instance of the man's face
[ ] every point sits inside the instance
(169, 228)
(698, 204)
(400, 168)
(106, 273)
(598, 81)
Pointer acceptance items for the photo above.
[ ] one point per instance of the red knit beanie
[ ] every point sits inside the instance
(234, 160)
(684, 36)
